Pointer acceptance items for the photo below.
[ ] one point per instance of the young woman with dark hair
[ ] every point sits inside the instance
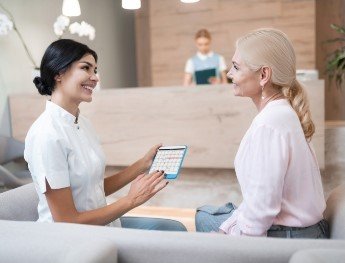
(65, 157)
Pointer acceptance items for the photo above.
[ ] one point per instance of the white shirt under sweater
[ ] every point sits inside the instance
(189, 67)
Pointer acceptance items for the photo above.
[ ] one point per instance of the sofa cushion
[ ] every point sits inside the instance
(30, 242)
(335, 212)
(19, 204)
(318, 256)
(140, 246)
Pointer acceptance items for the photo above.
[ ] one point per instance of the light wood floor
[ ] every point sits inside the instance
(183, 215)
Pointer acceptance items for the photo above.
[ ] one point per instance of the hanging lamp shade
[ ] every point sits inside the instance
(131, 4)
(189, 1)
(71, 8)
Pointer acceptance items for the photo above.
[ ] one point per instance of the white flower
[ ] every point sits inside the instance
(92, 32)
(6, 25)
(83, 29)
(74, 28)
(60, 25)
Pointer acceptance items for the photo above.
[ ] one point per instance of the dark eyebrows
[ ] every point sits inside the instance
(88, 63)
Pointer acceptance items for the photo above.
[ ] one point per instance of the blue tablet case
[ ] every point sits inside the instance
(202, 76)
(172, 175)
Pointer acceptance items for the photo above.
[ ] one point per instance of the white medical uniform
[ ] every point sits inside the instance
(66, 154)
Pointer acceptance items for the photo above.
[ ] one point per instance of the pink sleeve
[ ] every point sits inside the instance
(228, 224)
(263, 175)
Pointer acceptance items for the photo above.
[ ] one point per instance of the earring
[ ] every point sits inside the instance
(262, 92)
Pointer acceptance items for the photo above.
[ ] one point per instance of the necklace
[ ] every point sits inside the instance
(275, 96)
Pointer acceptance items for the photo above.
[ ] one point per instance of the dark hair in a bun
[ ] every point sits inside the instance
(43, 88)
(56, 60)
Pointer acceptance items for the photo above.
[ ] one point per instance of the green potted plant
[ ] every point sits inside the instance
(335, 68)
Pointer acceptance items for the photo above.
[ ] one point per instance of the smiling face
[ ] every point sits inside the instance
(78, 82)
(246, 83)
(203, 45)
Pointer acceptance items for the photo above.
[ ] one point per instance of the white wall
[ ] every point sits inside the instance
(114, 43)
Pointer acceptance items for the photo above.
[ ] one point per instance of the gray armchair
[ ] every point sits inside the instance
(13, 169)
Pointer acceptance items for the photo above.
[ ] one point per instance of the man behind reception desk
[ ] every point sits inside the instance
(206, 66)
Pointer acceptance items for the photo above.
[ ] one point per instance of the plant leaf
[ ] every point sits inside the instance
(338, 39)
(337, 28)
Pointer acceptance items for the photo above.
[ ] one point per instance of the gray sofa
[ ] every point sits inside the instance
(14, 170)
(60, 242)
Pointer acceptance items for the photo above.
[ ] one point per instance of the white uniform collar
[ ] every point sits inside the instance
(203, 57)
(58, 111)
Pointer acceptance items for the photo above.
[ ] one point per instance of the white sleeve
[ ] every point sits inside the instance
(266, 167)
(189, 68)
(222, 64)
(49, 161)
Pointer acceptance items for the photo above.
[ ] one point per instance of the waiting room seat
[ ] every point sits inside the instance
(13, 169)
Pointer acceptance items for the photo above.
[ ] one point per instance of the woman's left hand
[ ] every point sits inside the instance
(214, 80)
(148, 157)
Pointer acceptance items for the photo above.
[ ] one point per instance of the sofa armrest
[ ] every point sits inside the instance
(319, 256)
(335, 212)
(26, 242)
(19, 204)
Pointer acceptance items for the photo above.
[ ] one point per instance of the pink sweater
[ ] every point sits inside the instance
(278, 173)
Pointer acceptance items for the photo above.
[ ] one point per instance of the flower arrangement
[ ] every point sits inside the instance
(8, 24)
(82, 29)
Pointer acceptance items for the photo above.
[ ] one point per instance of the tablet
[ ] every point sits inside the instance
(202, 76)
(169, 159)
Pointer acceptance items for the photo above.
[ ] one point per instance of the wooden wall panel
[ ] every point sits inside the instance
(173, 25)
(329, 12)
(143, 46)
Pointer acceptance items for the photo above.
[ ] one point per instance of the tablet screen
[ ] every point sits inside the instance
(169, 159)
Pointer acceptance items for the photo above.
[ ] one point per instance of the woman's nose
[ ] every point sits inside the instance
(94, 77)
(229, 75)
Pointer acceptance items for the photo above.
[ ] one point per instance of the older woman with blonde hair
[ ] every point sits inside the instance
(275, 164)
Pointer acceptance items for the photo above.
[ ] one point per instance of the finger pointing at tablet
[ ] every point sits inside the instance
(145, 187)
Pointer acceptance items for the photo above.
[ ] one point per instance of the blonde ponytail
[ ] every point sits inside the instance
(299, 102)
(271, 47)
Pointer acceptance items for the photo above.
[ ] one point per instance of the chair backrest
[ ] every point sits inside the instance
(19, 204)
(10, 149)
(335, 212)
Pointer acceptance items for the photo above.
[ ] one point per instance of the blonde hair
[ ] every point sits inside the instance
(272, 48)
(203, 33)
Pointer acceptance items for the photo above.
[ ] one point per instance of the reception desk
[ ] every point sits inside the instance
(209, 119)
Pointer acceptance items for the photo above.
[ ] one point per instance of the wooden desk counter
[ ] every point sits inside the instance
(209, 119)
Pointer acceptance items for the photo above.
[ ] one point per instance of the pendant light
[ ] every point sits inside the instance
(71, 8)
(189, 1)
(131, 4)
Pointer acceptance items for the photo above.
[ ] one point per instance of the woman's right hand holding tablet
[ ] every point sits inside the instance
(144, 187)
